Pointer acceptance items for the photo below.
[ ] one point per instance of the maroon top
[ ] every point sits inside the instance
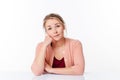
(58, 63)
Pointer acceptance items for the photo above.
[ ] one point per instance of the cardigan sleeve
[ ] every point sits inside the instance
(78, 58)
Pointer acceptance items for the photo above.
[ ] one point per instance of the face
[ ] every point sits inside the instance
(55, 29)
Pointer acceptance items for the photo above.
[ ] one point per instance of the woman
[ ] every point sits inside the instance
(57, 54)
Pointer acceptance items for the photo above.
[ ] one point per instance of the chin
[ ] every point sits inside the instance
(57, 39)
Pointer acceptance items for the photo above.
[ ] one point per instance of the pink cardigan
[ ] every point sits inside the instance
(72, 55)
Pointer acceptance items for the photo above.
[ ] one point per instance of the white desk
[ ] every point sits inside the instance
(86, 76)
(58, 77)
(16, 76)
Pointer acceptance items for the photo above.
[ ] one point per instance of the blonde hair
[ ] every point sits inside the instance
(53, 16)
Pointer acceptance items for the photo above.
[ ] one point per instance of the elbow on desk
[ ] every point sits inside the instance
(80, 73)
(77, 70)
(36, 71)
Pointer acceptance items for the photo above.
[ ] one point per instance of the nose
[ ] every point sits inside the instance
(54, 31)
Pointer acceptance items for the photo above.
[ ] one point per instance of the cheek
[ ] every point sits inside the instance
(49, 33)
(61, 30)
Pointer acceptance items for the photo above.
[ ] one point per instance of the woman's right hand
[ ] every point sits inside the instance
(47, 40)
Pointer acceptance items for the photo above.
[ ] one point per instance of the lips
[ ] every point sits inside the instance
(56, 35)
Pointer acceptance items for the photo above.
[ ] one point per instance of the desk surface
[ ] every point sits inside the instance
(86, 76)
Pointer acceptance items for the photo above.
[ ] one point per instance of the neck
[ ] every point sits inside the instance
(59, 43)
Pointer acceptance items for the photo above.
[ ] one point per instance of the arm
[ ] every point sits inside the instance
(39, 61)
(77, 68)
(66, 71)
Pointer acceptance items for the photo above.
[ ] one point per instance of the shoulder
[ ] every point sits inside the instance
(73, 42)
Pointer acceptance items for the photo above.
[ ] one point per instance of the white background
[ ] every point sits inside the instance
(96, 23)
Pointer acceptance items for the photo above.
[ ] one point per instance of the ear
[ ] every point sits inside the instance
(45, 29)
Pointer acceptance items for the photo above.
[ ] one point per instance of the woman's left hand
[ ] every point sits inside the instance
(48, 68)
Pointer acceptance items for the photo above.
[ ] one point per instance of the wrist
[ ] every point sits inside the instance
(44, 44)
(51, 70)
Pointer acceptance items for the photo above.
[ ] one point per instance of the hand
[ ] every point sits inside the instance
(47, 40)
(48, 68)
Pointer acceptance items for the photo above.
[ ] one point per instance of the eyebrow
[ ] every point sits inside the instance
(54, 24)
(57, 23)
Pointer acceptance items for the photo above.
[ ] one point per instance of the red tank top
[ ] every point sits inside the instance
(58, 63)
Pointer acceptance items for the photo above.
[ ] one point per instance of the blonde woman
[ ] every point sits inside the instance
(58, 54)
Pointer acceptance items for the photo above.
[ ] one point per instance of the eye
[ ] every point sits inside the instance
(49, 28)
(57, 25)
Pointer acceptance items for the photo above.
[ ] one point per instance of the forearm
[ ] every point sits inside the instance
(40, 58)
(39, 62)
(75, 70)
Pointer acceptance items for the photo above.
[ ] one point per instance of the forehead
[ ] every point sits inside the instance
(52, 21)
